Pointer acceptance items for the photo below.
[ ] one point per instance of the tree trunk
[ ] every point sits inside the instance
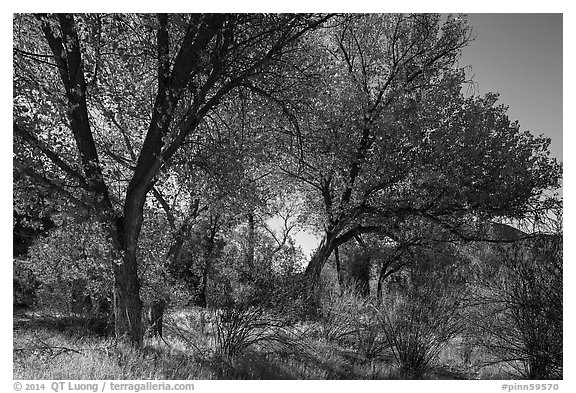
(156, 316)
(208, 249)
(174, 250)
(251, 242)
(385, 273)
(127, 303)
(363, 279)
(339, 270)
(380, 282)
(314, 268)
(201, 300)
(360, 272)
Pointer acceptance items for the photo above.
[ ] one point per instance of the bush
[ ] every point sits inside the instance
(519, 316)
(348, 317)
(238, 327)
(338, 311)
(420, 315)
(73, 265)
(370, 339)
(25, 285)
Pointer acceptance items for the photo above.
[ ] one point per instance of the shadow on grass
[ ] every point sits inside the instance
(73, 325)
(292, 366)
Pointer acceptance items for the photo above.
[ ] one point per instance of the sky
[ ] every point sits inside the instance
(520, 57)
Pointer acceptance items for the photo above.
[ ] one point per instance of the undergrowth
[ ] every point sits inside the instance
(59, 347)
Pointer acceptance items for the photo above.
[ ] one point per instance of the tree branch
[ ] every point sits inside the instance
(35, 142)
(30, 173)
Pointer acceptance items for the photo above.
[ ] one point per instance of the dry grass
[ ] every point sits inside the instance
(48, 347)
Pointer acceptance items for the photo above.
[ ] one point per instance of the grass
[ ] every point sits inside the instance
(48, 346)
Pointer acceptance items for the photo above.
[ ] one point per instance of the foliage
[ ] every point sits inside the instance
(149, 81)
(24, 284)
(154, 273)
(387, 136)
(73, 265)
(164, 146)
(356, 265)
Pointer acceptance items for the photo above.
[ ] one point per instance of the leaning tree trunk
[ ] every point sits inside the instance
(339, 270)
(314, 268)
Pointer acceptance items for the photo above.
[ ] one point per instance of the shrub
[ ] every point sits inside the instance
(519, 316)
(370, 339)
(73, 265)
(337, 312)
(25, 285)
(239, 327)
(420, 316)
(348, 317)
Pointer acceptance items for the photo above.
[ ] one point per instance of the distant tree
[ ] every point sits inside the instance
(386, 139)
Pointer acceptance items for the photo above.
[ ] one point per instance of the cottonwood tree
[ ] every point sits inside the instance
(387, 139)
(88, 86)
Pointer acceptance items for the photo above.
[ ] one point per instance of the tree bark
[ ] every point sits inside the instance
(208, 250)
(314, 268)
(361, 272)
(247, 272)
(156, 317)
(339, 269)
(127, 303)
(387, 270)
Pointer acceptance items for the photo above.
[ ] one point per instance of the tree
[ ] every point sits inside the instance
(147, 80)
(387, 139)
